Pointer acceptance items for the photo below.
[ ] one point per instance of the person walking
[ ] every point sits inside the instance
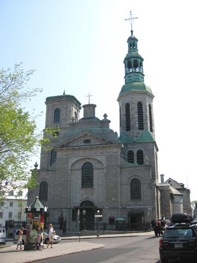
(20, 238)
(51, 233)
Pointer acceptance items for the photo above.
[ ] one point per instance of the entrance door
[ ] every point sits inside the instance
(135, 221)
(86, 218)
(87, 210)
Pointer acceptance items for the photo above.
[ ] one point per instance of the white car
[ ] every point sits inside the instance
(56, 238)
(2, 235)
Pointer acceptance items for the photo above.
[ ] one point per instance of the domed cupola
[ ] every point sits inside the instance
(133, 62)
(135, 98)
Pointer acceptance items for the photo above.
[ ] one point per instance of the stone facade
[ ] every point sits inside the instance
(89, 174)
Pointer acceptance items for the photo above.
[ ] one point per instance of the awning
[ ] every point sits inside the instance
(120, 219)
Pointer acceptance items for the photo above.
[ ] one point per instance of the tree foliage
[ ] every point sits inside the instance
(18, 138)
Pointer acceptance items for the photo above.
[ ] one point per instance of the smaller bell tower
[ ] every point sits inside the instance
(61, 110)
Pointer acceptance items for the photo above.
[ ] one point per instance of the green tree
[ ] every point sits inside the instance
(18, 138)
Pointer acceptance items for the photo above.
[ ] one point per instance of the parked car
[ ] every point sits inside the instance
(56, 238)
(2, 235)
(179, 241)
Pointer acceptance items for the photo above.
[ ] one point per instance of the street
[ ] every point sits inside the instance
(140, 249)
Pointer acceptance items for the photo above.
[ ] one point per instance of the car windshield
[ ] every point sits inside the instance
(181, 233)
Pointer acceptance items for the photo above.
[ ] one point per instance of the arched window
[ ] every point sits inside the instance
(87, 175)
(87, 204)
(129, 66)
(130, 156)
(75, 116)
(127, 116)
(43, 191)
(150, 118)
(135, 189)
(135, 65)
(57, 115)
(140, 116)
(53, 157)
(140, 157)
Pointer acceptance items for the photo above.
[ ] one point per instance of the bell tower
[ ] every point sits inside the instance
(137, 133)
(135, 98)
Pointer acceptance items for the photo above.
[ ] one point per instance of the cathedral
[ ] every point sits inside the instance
(90, 176)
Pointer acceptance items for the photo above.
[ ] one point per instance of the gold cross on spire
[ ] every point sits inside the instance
(89, 95)
(131, 18)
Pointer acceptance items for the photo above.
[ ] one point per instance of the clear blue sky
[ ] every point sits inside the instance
(79, 46)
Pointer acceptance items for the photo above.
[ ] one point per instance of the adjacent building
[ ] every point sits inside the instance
(12, 210)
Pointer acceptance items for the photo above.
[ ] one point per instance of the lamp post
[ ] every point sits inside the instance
(98, 216)
(78, 215)
(84, 219)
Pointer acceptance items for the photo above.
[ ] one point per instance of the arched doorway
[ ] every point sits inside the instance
(87, 210)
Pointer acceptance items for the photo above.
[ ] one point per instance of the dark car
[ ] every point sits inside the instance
(179, 242)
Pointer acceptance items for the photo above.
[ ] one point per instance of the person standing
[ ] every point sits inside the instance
(38, 239)
(50, 235)
(20, 238)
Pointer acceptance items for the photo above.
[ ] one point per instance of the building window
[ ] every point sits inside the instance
(43, 191)
(135, 189)
(75, 116)
(53, 157)
(20, 193)
(87, 175)
(129, 66)
(10, 215)
(130, 156)
(140, 157)
(135, 65)
(19, 216)
(11, 204)
(87, 141)
(127, 114)
(11, 193)
(57, 116)
(150, 118)
(140, 116)
(1, 214)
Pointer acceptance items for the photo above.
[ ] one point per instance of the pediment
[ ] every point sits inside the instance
(84, 139)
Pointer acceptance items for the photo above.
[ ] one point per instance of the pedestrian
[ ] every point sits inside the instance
(51, 233)
(38, 239)
(20, 238)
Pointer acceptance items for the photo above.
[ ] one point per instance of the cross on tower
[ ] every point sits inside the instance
(131, 18)
(89, 95)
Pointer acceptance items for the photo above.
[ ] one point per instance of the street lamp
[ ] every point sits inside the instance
(98, 215)
(84, 219)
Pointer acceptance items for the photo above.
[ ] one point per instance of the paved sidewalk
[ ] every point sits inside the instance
(9, 254)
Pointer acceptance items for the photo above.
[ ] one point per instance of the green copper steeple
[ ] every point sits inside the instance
(133, 63)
